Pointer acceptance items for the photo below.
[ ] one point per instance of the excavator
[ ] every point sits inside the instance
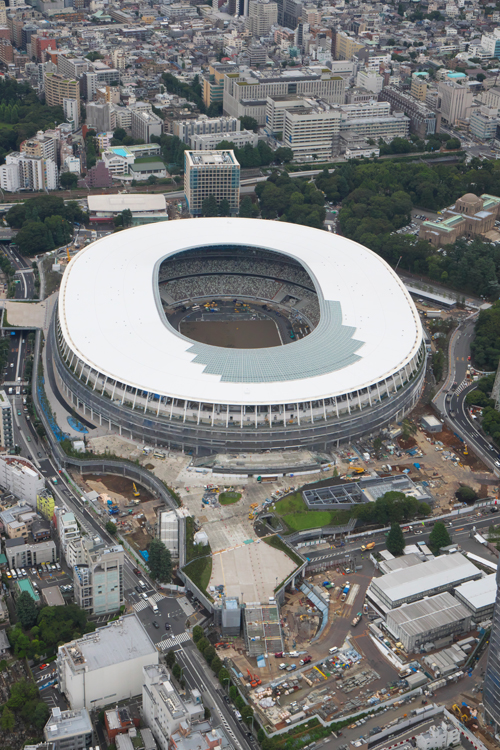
(135, 491)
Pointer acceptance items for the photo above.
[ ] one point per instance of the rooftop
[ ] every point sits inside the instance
(429, 614)
(480, 593)
(121, 640)
(65, 724)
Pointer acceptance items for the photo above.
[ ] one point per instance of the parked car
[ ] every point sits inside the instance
(155, 624)
(167, 626)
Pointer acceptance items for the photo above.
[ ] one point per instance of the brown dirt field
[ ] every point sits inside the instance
(120, 485)
(233, 334)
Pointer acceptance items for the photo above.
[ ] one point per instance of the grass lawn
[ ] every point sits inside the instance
(228, 498)
(309, 519)
(199, 571)
(291, 504)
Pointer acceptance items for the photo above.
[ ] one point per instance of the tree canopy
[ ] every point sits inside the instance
(439, 537)
(392, 507)
(26, 609)
(485, 347)
(44, 223)
(395, 540)
(296, 201)
(159, 561)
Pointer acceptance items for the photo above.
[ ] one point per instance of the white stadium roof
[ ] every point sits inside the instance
(111, 316)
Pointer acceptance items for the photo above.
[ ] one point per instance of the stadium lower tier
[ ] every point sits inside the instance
(201, 428)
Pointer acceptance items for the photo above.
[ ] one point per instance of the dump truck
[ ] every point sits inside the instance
(345, 592)
(305, 660)
(365, 547)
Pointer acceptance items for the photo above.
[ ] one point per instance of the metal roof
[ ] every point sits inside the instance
(479, 594)
(111, 316)
(418, 579)
(427, 615)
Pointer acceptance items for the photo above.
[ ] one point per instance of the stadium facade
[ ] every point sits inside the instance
(122, 364)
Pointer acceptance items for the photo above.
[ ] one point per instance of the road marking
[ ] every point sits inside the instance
(171, 641)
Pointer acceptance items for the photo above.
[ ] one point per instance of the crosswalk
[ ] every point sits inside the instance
(173, 640)
(144, 603)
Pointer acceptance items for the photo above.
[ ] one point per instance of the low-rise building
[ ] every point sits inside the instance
(428, 620)
(438, 736)
(45, 504)
(145, 124)
(483, 123)
(69, 730)
(21, 477)
(106, 666)
(22, 554)
(478, 597)
(145, 209)
(412, 584)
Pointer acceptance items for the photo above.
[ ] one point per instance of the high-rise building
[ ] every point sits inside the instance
(454, 101)
(6, 430)
(34, 173)
(68, 730)
(98, 581)
(71, 109)
(203, 125)
(423, 121)
(72, 67)
(418, 87)
(483, 123)
(208, 173)
(261, 16)
(99, 116)
(58, 88)
(3, 13)
(312, 130)
(491, 687)
(345, 46)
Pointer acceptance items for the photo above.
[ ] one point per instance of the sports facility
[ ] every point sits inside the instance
(215, 335)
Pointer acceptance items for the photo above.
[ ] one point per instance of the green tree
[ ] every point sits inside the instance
(8, 720)
(40, 715)
(202, 644)
(68, 180)
(466, 494)
(160, 561)
(439, 537)
(247, 714)
(223, 677)
(395, 540)
(170, 659)
(119, 134)
(438, 364)
(197, 633)
(26, 609)
(127, 217)
(377, 444)
(247, 208)
(216, 664)
(249, 123)
(209, 653)
(233, 692)
(224, 207)
(209, 206)
(111, 527)
(177, 671)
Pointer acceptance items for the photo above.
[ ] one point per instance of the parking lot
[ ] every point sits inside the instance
(47, 575)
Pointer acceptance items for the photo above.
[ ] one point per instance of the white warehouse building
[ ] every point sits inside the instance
(105, 666)
(169, 522)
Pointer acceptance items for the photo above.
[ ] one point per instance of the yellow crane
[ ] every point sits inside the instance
(135, 491)
(67, 253)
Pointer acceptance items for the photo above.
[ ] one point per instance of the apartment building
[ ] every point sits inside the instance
(98, 580)
(57, 88)
(67, 527)
(17, 521)
(454, 101)
(46, 504)
(6, 434)
(387, 128)
(261, 16)
(71, 108)
(370, 80)
(23, 554)
(71, 67)
(144, 124)
(164, 711)
(345, 46)
(418, 87)
(246, 92)
(423, 121)
(208, 173)
(19, 476)
(483, 123)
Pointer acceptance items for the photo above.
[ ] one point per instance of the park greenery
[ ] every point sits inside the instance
(439, 537)
(22, 114)
(32, 638)
(490, 417)
(392, 507)
(395, 541)
(159, 561)
(296, 201)
(377, 198)
(250, 157)
(43, 223)
(229, 497)
(486, 345)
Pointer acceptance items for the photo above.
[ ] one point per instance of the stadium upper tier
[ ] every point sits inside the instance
(115, 339)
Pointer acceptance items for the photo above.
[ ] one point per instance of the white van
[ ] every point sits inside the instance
(142, 584)
(13, 573)
(333, 650)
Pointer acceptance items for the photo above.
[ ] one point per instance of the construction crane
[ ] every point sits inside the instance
(135, 491)
(67, 253)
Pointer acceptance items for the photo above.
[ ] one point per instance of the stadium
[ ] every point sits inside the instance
(230, 335)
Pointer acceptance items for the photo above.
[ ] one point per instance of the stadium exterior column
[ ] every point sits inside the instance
(227, 416)
(378, 391)
(359, 401)
(213, 414)
(104, 385)
(88, 376)
(347, 402)
(199, 411)
(336, 407)
(324, 409)
(311, 410)
(369, 396)
(256, 409)
(171, 408)
(96, 380)
(114, 388)
(298, 413)
(135, 397)
(241, 421)
(270, 417)
(159, 404)
(185, 409)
